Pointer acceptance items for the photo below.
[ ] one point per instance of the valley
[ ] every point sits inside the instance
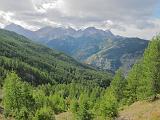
(90, 45)
(42, 83)
(80, 60)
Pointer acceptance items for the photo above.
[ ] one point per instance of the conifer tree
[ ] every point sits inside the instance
(118, 85)
(17, 100)
(149, 84)
(84, 113)
(133, 78)
(44, 113)
(108, 106)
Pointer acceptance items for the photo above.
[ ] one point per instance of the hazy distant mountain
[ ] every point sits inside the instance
(39, 64)
(22, 31)
(48, 33)
(121, 52)
(91, 45)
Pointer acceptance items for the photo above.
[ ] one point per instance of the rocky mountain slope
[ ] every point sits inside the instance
(93, 46)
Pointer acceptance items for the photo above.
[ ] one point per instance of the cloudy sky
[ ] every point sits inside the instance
(138, 18)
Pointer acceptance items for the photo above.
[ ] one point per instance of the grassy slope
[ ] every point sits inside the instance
(65, 116)
(141, 111)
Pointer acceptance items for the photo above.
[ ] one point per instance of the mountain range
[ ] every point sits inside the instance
(39, 64)
(99, 48)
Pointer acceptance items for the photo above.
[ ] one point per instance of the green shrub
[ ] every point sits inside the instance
(45, 113)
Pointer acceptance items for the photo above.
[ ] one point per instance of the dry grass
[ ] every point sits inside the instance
(1, 117)
(142, 111)
(65, 116)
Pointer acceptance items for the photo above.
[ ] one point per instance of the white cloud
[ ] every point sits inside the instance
(126, 17)
(146, 33)
(16, 5)
(5, 17)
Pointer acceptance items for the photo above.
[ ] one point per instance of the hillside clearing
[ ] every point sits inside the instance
(141, 111)
(65, 116)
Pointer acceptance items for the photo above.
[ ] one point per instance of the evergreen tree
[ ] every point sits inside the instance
(118, 85)
(17, 100)
(74, 106)
(149, 84)
(83, 113)
(44, 113)
(133, 78)
(108, 106)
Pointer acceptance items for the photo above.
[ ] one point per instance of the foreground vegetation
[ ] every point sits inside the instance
(37, 80)
(38, 64)
(39, 84)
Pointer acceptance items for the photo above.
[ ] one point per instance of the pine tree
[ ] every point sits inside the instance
(17, 99)
(149, 84)
(118, 85)
(133, 79)
(44, 113)
(74, 106)
(108, 106)
(84, 113)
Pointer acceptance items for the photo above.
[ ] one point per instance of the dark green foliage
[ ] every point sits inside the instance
(3, 73)
(150, 80)
(143, 81)
(44, 113)
(23, 101)
(17, 100)
(108, 106)
(133, 79)
(113, 97)
(74, 106)
(118, 85)
(58, 103)
(40, 65)
(47, 82)
(83, 113)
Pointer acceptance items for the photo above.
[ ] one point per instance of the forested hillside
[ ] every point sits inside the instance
(143, 86)
(96, 47)
(38, 64)
(39, 83)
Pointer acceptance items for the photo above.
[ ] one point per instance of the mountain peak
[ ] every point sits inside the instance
(13, 26)
(91, 28)
(109, 32)
(20, 30)
(95, 31)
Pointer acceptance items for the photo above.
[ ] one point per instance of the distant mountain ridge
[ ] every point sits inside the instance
(22, 31)
(50, 33)
(93, 46)
(39, 64)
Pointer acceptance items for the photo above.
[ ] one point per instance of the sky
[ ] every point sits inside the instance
(131, 18)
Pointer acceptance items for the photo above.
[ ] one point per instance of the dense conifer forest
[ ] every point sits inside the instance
(38, 83)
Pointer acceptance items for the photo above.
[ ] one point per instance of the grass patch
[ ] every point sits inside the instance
(142, 111)
(65, 116)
